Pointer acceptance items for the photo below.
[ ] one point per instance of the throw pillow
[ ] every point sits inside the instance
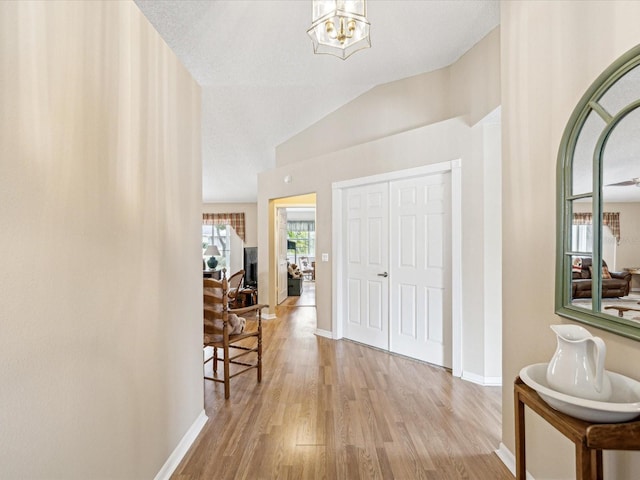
(236, 324)
(605, 272)
(576, 265)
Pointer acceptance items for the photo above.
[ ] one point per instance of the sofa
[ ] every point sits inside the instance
(616, 286)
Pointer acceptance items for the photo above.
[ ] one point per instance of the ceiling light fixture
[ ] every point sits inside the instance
(339, 27)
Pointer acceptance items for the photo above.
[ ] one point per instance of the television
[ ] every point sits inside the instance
(251, 267)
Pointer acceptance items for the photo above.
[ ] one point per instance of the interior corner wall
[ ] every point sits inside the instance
(100, 201)
(482, 256)
(475, 79)
(492, 244)
(551, 54)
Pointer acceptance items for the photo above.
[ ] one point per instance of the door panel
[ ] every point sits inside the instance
(366, 215)
(420, 268)
(408, 304)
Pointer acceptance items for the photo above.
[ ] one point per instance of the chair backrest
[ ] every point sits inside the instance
(215, 300)
(235, 284)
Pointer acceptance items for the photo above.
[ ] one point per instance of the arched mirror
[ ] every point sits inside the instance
(599, 204)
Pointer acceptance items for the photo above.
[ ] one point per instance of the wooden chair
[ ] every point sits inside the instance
(235, 284)
(239, 295)
(308, 269)
(217, 333)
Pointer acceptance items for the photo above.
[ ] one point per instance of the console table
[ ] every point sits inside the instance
(589, 438)
(215, 274)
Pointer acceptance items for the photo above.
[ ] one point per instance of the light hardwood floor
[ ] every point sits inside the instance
(339, 410)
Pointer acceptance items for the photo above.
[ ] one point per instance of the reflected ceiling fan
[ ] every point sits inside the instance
(628, 183)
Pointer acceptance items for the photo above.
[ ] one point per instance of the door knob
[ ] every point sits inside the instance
(385, 274)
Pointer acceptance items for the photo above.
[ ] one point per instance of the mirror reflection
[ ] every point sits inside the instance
(599, 188)
(621, 217)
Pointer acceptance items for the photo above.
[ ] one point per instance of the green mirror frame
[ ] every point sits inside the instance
(565, 198)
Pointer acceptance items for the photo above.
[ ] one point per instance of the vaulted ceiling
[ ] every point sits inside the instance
(262, 84)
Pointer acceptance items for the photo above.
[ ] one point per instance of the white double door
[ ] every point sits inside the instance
(398, 266)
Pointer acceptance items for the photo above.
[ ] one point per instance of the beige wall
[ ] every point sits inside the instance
(551, 53)
(465, 89)
(628, 251)
(100, 201)
(411, 137)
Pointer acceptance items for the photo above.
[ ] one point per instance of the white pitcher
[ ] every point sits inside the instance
(577, 367)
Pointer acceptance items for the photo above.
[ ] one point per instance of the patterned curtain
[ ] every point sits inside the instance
(582, 218)
(236, 220)
(610, 219)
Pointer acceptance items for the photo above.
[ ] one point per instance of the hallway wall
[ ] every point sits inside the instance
(551, 54)
(100, 201)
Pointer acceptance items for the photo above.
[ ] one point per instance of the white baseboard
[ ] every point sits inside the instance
(269, 316)
(181, 449)
(509, 460)
(324, 333)
(480, 380)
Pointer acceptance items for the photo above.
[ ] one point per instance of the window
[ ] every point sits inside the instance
(582, 238)
(220, 236)
(303, 234)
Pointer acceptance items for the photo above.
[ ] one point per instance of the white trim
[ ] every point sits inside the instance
(182, 448)
(493, 381)
(509, 460)
(269, 316)
(456, 268)
(336, 248)
(324, 333)
(481, 380)
(453, 166)
(398, 174)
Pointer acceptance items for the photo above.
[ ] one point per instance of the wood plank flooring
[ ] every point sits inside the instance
(339, 410)
(306, 299)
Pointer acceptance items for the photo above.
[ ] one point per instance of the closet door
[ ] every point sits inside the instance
(366, 217)
(420, 268)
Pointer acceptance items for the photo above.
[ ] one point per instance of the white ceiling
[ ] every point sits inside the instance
(262, 84)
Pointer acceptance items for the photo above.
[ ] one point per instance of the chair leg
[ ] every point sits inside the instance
(259, 353)
(215, 359)
(226, 372)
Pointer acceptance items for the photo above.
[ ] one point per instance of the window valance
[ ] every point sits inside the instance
(236, 220)
(610, 219)
(301, 226)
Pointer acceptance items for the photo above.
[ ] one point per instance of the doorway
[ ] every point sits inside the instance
(397, 268)
(294, 250)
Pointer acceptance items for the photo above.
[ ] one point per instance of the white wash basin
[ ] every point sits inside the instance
(623, 406)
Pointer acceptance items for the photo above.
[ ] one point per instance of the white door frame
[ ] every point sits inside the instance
(282, 275)
(338, 266)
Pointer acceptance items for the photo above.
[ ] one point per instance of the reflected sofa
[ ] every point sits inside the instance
(616, 286)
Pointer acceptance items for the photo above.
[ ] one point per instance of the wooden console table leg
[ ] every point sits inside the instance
(583, 462)
(521, 459)
(596, 465)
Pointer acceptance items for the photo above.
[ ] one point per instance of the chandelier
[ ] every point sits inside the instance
(339, 27)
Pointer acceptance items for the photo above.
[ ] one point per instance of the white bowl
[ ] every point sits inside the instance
(623, 406)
